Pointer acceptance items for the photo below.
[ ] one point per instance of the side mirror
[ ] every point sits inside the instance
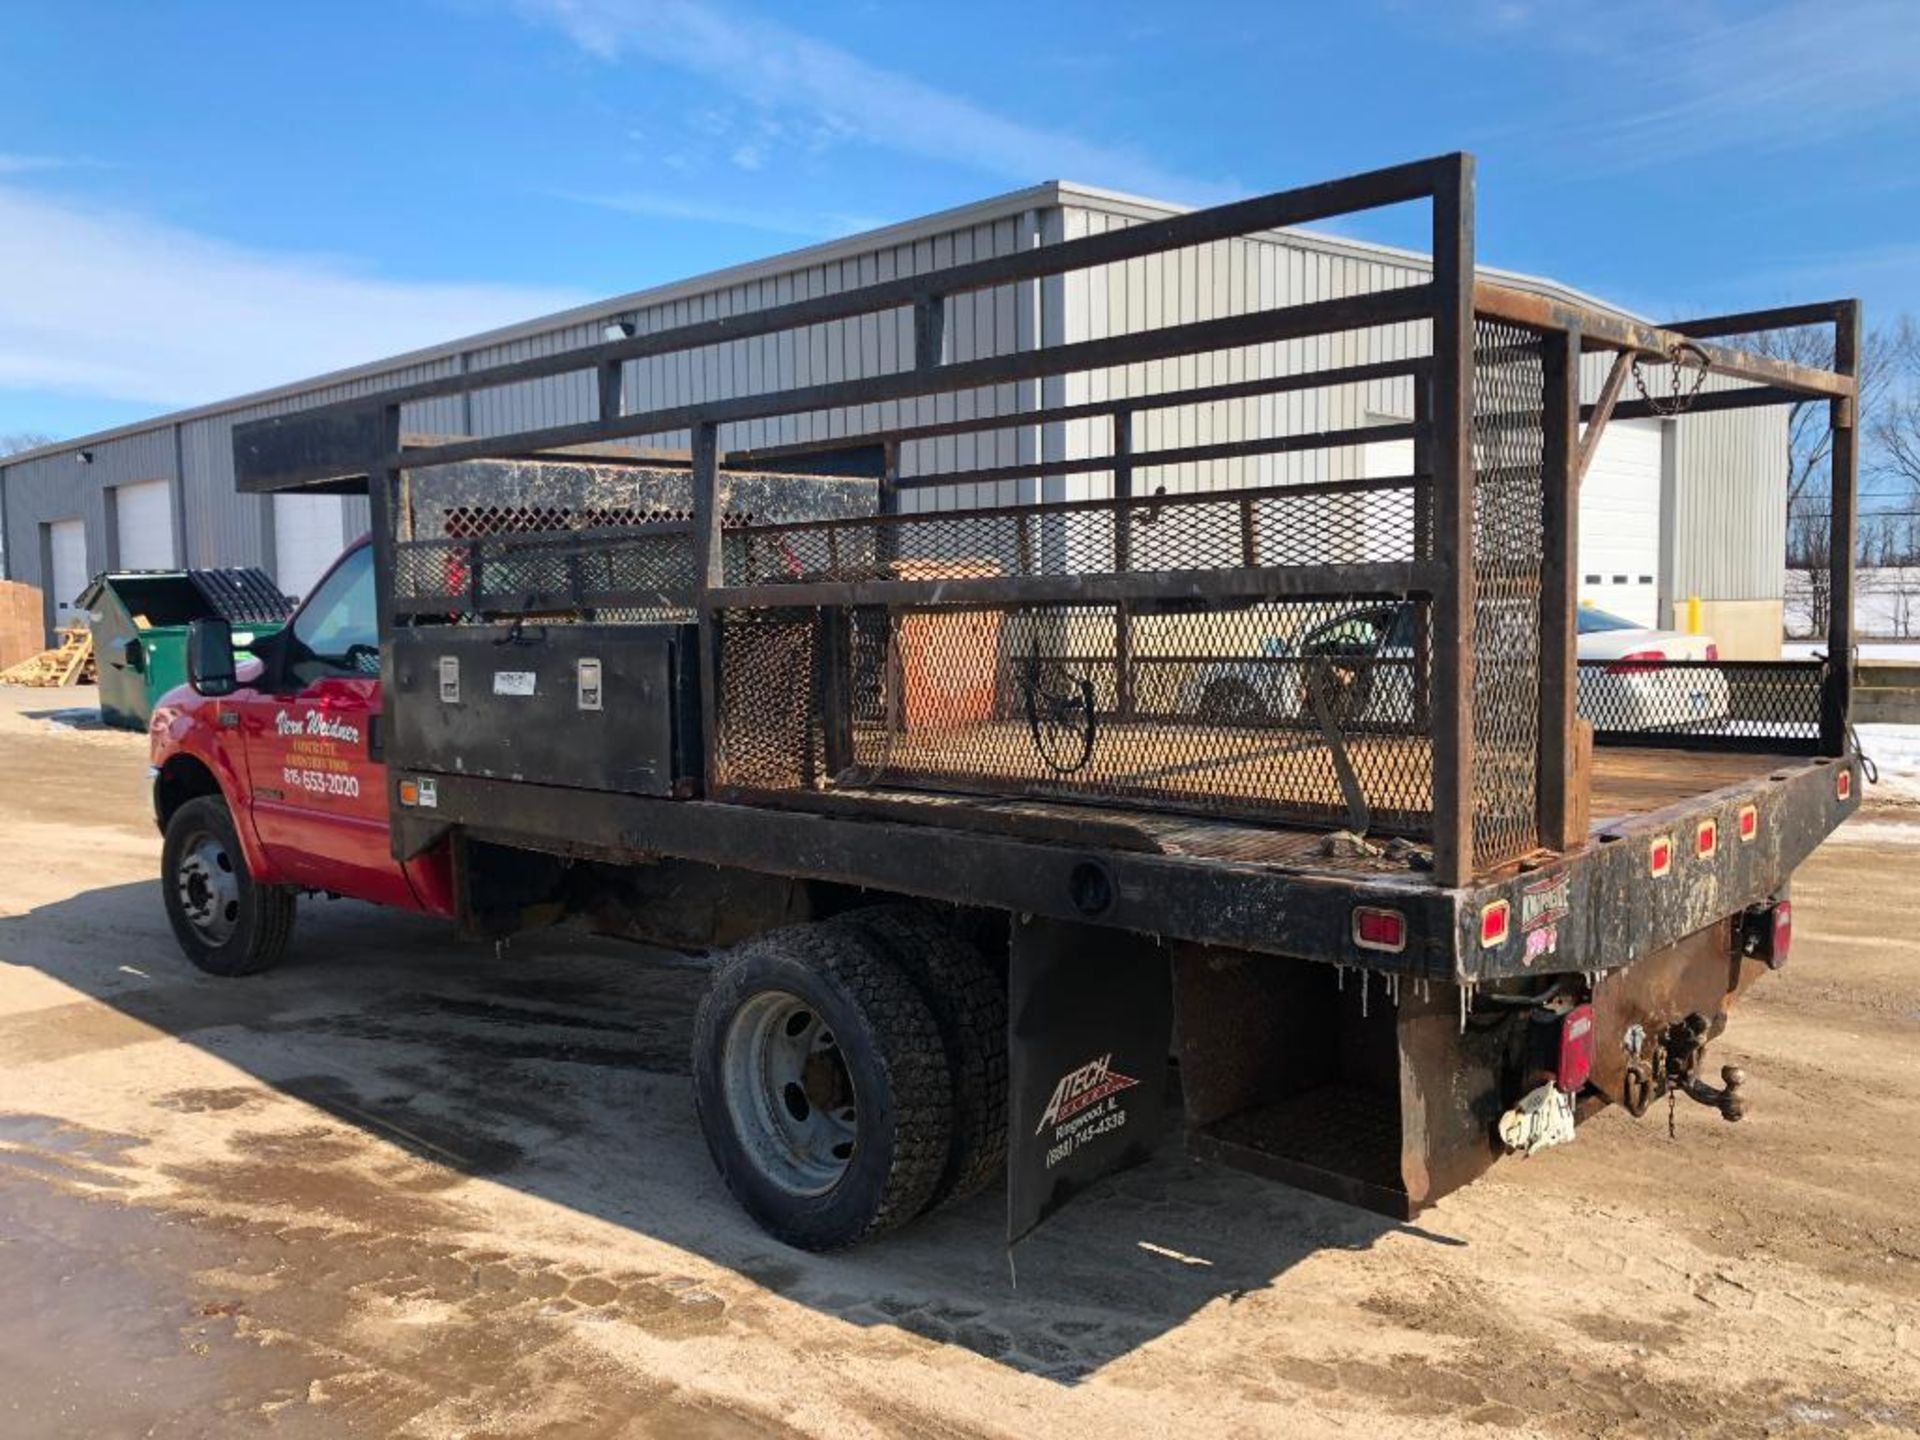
(210, 657)
(133, 655)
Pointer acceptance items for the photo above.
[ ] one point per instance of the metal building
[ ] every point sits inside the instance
(1669, 510)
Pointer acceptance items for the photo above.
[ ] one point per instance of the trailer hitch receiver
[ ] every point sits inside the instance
(1685, 1047)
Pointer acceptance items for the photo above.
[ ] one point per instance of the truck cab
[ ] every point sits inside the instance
(269, 779)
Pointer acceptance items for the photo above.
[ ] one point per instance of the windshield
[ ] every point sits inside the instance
(1593, 622)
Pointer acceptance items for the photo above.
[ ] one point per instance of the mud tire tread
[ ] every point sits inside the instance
(969, 1004)
(899, 1051)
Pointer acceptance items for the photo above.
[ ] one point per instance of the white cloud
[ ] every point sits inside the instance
(780, 69)
(17, 164)
(1685, 81)
(115, 304)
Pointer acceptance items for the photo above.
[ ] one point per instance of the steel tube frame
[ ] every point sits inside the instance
(1443, 571)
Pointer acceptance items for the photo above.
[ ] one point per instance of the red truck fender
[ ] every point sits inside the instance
(192, 753)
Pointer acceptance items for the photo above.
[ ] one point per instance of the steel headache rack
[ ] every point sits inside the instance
(1232, 691)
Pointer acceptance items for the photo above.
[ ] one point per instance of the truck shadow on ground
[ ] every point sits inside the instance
(556, 1066)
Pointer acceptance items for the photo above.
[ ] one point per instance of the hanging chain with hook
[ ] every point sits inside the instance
(1682, 358)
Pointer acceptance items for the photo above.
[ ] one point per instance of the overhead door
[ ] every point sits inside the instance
(143, 525)
(308, 534)
(1620, 523)
(67, 549)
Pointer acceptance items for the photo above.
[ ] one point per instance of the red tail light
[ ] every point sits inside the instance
(1576, 1049)
(1660, 856)
(1713, 651)
(1379, 929)
(1496, 920)
(1766, 933)
(1843, 784)
(1749, 821)
(1638, 662)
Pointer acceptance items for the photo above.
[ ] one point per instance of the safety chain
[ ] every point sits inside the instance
(1683, 356)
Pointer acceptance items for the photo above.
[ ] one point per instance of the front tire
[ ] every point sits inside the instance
(227, 923)
(822, 1087)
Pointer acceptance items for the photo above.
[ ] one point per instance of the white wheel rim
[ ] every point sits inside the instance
(789, 1093)
(209, 888)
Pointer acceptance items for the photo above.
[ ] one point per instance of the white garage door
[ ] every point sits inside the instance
(68, 542)
(143, 525)
(308, 534)
(1620, 523)
(1384, 518)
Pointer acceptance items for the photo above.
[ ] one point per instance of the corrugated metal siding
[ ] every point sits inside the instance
(224, 528)
(1202, 283)
(60, 487)
(227, 528)
(1729, 505)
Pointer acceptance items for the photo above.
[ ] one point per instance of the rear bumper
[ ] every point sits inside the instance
(1610, 903)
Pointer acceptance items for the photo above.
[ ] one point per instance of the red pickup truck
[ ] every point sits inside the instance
(279, 787)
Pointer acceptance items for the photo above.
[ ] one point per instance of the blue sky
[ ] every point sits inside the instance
(201, 199)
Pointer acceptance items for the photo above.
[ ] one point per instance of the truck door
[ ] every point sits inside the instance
(310, 731)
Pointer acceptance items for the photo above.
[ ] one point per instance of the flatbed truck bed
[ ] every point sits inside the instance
(988, 812)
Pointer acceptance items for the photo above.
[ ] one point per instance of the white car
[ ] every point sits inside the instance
(1629, 678)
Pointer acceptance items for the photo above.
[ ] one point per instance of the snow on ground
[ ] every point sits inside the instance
(1886, 601)
(1907, 650)
(1895, 749)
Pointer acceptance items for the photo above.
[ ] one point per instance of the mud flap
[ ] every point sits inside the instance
(1089, 1029)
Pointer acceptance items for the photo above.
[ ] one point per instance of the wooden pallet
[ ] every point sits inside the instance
(68, 663)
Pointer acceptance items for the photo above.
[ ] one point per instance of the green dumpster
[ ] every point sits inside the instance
(139, 620)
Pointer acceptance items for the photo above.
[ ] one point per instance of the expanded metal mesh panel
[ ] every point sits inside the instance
(1509, 393)
(1207, 711)
(1339, 524)
(1755, 704)
(509, 573)
(768, 726)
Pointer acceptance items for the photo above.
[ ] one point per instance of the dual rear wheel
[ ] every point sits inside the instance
(851, 1075)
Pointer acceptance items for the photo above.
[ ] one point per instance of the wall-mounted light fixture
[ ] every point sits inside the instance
(620, 327)
(85, 457)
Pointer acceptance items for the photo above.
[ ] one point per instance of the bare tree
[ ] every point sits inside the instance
(1893, 424)
(1887, 361)
(1810, 551)
(23, 440)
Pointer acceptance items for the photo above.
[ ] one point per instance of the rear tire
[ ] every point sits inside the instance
(969, 1004)
(822, 1087)
(227, 923)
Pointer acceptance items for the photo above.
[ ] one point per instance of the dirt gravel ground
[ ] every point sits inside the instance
(409, 1186)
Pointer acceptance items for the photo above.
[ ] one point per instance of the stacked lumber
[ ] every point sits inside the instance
(68, 663)
(23, 631)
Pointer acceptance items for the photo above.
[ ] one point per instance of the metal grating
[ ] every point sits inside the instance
(1335, 523)
(1205, 711)
(1509, 438)
(1733, 704)
(546, 571)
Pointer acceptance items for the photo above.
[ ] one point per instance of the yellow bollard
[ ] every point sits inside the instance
(1693, 615)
